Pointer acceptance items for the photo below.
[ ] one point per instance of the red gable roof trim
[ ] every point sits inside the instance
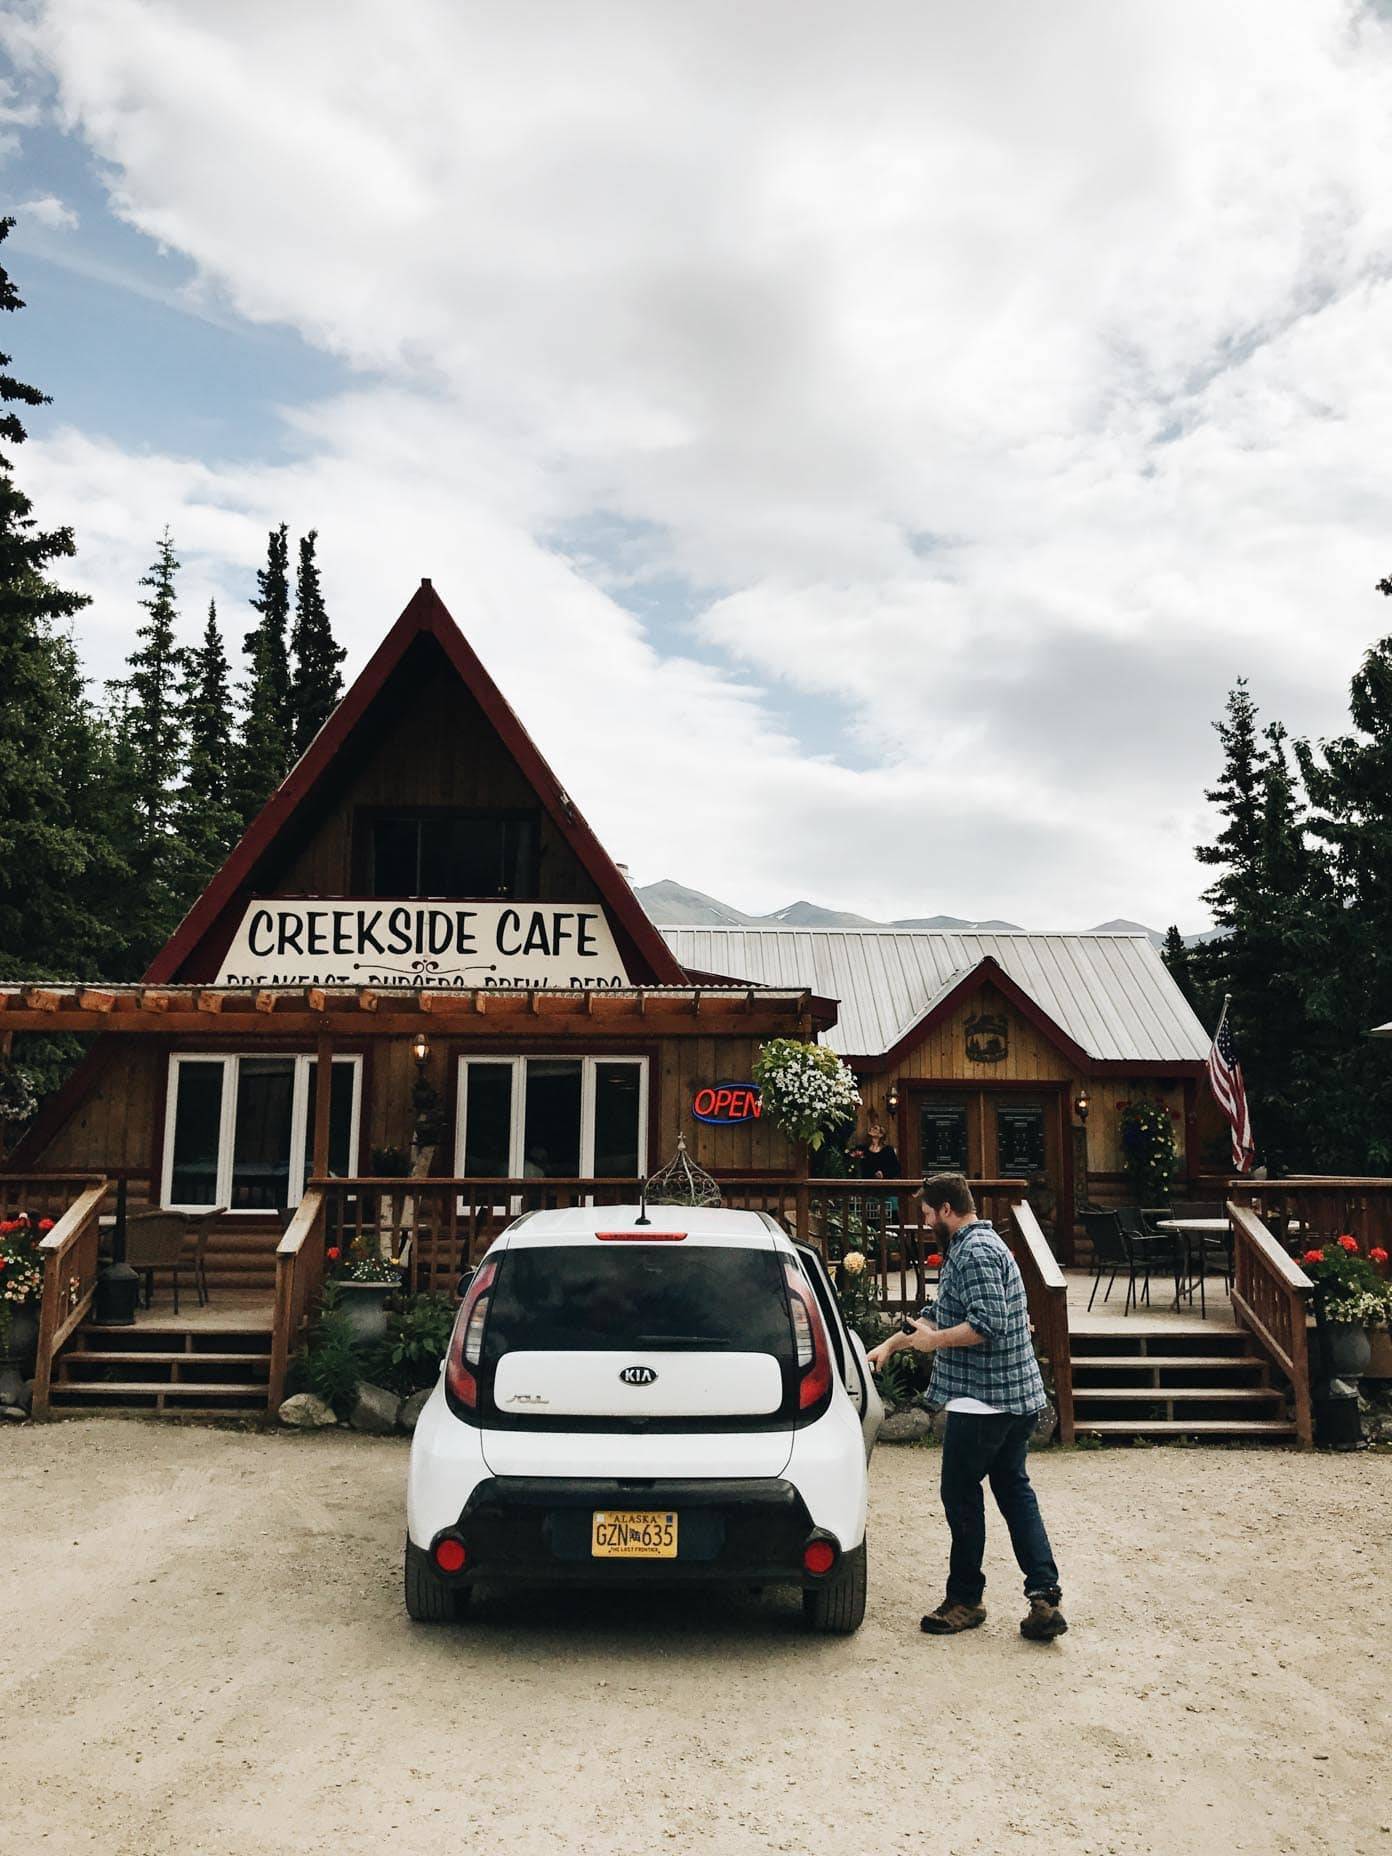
(425, 615)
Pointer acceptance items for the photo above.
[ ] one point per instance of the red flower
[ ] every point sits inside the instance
(1313, 1256)
(4, 1263)
(934, 1261)
(1348, 1243)
(45, 1224)
(1378, 1254)
(10, 1224)
(332, 1253)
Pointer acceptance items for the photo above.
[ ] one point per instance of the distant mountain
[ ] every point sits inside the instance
(673, 905)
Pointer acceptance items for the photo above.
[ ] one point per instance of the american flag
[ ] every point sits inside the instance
(1225, 1075)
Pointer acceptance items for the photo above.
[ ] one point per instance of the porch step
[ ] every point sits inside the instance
(1274, 1428)
(1162, 1395)
(119, 1388)
(1164, 1362)
(158, 1357)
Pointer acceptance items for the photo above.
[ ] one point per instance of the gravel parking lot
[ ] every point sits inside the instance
(204, 1650)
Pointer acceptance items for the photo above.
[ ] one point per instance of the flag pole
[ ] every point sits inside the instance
(1222, 1016)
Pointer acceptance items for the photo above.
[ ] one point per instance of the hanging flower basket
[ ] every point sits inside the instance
(807, 1091)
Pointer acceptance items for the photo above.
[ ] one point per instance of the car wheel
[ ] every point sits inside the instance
(429, 1598)
(838, 1607)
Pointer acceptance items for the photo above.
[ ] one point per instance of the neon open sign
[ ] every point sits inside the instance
(725, 1105)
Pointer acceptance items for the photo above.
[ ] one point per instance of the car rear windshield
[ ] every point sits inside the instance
(577, 1299)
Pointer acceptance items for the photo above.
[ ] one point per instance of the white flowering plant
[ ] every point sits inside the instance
(805, 1089)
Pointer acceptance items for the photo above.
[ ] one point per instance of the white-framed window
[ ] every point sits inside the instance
(239, 1129)
(552, 1117)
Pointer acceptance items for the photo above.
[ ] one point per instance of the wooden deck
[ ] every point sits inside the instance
(1158, 1317)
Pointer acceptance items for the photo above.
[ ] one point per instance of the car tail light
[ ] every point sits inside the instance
(819, 1556)
(466, 1342)
(811, 1349)
(450, 1555)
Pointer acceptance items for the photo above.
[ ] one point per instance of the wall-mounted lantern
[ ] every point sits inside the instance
(1081, 1106)
(892, 1099)
(420, 1048)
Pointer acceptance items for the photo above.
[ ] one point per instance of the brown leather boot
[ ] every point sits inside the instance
(949, 1618)
(1045, 1620)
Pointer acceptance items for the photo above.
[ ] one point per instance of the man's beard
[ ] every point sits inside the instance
(942, 1233)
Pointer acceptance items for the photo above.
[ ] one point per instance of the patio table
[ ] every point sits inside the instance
(1187, 1230)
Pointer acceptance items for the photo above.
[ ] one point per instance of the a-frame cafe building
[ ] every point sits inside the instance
(419, 958)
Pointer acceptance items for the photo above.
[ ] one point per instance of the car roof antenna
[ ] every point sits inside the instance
(643, 1217)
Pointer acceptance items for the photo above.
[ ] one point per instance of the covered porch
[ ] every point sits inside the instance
(1158, 1370)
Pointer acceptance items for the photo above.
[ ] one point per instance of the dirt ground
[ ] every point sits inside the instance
(203, 1650)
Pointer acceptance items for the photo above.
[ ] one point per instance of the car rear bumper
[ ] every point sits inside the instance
(539, 1529)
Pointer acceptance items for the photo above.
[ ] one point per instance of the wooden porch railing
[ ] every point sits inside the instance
(70, 1262)
(1269, 1299)
(1300, 1211)
(445, 1225)
(1047, 1289)
(43, 1195)
(299, 1280)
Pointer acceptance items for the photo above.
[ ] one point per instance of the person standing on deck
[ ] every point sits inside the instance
(986, 1377)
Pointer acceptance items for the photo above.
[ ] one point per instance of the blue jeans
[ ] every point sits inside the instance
(978, 1446)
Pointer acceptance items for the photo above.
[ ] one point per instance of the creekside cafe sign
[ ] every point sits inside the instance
(436, 944)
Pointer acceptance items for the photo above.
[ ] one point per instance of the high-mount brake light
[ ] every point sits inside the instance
(643, 1236)
(466, 1343)
(811, 1347)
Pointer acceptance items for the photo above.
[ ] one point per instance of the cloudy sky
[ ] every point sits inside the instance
(865, 441)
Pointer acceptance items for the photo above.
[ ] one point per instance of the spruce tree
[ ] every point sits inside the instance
(45, 849)
(1236, 851)
(152, 676)
(315, 681)
(263, 753)
(206, 819)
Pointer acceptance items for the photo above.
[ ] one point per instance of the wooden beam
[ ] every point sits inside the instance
(265, 1001)
(323, 1101)
(40, 999)
(316, 999)
(367, 999)
(210, 1001)
(152, 1000)
(95, 999)
(256, 1026)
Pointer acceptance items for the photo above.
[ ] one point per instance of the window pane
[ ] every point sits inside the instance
(551, 1131)
(575, 1299)
(488, 1121)
(943, 1139)
(1020, 1141)
(616, 1120)
(395, 857)
(340, 1119)
(197, 1119)
(261, 1145)
(478, 855)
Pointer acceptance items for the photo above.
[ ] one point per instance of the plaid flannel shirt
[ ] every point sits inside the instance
(981, 1285)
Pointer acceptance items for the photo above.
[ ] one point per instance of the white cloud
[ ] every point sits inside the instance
(49, 211)
(1015, 375)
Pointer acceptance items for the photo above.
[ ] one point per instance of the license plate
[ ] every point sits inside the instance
(625, 1534)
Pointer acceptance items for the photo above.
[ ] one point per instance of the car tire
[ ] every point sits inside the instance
(429, 1598)
(838, 1607)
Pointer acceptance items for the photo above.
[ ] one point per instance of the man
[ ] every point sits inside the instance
(986, 1376)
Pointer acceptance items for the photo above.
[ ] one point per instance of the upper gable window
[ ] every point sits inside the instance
(447, 851)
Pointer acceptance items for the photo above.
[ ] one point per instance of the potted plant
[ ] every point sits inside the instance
(1352, 1299)
(21, 1280)
(1148, 1147)
(363, 1283)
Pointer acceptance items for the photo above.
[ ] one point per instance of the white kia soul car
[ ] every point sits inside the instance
(660, 1399)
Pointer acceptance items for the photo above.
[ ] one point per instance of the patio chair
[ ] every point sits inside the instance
(1109, 1253)
(160, 1241)
(1151, 1251)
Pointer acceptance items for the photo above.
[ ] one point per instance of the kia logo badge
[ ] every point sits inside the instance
(638, 1375)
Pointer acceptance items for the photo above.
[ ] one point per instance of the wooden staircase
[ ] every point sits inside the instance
(1164, 1384)
(164, 1368)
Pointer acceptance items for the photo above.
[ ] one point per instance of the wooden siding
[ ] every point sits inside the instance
(436, 749)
